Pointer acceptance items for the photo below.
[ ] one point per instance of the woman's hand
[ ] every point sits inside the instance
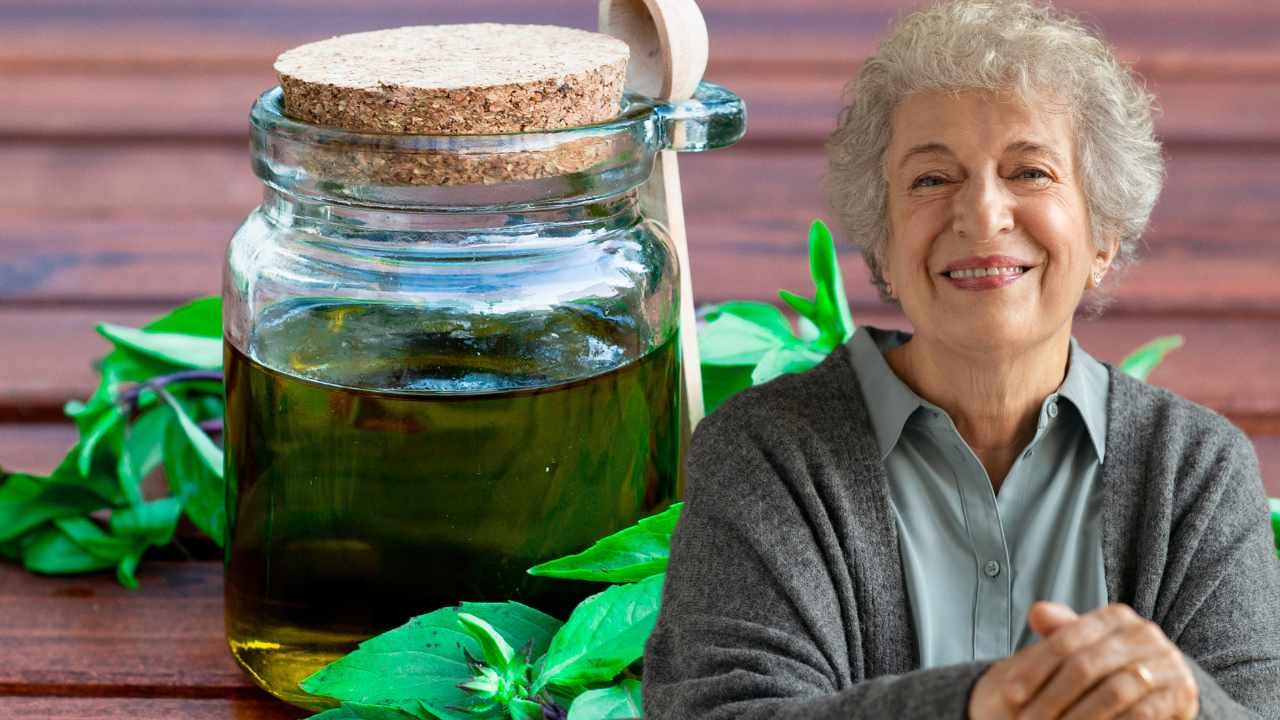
(1109, 663)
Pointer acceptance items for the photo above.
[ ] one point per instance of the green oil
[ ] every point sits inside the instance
(422, 470)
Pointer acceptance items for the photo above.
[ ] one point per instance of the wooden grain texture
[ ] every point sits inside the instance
(138, 223)
(87, 632)
(60, 708)
(782, 107)
(1172, 37)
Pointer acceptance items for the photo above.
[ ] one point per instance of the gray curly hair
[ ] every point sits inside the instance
(1000, 46)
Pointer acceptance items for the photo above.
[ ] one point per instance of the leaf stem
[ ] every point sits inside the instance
(129, 398)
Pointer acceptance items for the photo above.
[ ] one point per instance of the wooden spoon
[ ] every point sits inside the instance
(668, 41)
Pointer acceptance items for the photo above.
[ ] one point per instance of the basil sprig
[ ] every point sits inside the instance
(157, 385)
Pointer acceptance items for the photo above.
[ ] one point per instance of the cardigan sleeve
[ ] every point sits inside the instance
(750, 626)
(1225, 615)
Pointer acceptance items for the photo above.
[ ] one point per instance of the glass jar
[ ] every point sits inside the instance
(448, 359)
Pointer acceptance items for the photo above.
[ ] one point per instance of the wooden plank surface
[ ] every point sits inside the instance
(1170, 37)
(165, 213)
(60, 708)
(132, 102)
(164, 639)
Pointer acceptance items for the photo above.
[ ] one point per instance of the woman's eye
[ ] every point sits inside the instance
(918, 181)
(1038, 171)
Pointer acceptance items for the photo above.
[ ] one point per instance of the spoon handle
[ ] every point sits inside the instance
(661, 200)
(669, 48)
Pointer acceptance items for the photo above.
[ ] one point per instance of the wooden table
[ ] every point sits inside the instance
(123, 136)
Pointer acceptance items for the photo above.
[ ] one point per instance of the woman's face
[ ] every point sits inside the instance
(989, 246)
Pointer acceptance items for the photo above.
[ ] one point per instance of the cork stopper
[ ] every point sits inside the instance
(479, 78)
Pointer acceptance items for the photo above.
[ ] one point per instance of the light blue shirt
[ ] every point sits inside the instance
(975, 561)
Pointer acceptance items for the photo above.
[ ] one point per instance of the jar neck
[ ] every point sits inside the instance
(340, 220)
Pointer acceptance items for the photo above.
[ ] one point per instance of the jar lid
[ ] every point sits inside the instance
(479, 78)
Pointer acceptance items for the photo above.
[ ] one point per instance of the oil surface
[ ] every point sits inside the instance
(352, 510)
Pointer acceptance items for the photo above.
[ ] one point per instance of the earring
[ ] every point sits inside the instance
(1097, 278)
(888, 288)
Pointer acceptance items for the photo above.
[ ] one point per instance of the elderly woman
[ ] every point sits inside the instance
(978, 519)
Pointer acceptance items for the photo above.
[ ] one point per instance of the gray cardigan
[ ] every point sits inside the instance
(785, 597)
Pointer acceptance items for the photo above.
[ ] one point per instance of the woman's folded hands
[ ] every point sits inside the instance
(1109, 663)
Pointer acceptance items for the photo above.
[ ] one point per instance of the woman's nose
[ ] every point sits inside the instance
(982, 209)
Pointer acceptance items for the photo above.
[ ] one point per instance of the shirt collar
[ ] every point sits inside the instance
(890, 403)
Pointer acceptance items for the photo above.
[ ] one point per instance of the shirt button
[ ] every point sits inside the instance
(1026, 455)
(1053, 409)
(992, 568)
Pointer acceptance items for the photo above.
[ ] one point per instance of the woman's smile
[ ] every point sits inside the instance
(988, 272)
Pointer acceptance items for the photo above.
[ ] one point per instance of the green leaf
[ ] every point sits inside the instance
(784, 360)
(829, 310)
(616, 702)
(731, 340)
(152, 522)
(629, 555)
(141, 452)
(144, 524)
(497, 651)
(1142, 361)
(423, 661)
(202, 317)
(359, 711)
(605, 634)
(189, 351)
(51, 551)
(209, 453)
(763, 314)
(521, 709)
(721, 382)
(201, 491)
(1275, 520)
(98, 428)
(27, 501)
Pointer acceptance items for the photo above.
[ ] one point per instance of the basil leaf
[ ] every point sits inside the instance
(201, 492)
(731, 340)
(720, 382)
(628, 555)
(51, 551)
(27, 501)
(1142, 361)
(98, 428)
(208, 452)
(522, 709)
(605, 634)
(517, 622)
(498, 653)
(616, 702)
(141, 452)
(784, 360)
(359, 711)
(202, 317)
(189, 351)
(1275, 520)
(145, 524)
(829, 310)
(763, 314)
(422, 661)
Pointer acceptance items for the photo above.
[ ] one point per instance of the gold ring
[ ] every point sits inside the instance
(1144, 674)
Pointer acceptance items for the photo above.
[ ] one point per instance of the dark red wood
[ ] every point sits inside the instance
(124, 211)
(97, 708)
(784, 106)
(1239, 36)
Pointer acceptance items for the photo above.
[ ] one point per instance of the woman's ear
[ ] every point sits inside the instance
(1102, 260)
